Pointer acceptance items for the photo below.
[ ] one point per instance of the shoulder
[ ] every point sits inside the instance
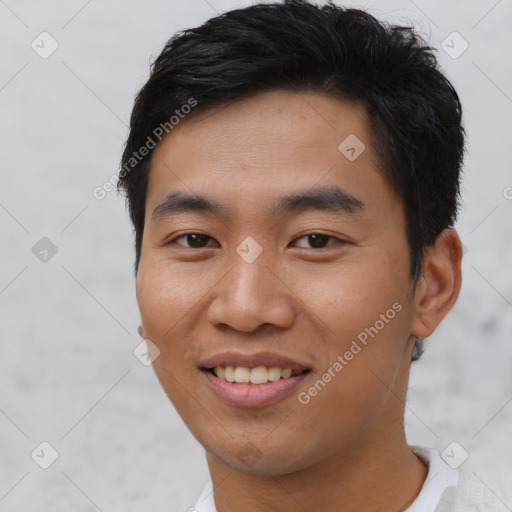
(470, 495)
(452, 489)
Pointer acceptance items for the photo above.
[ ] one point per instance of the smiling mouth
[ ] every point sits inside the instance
(253, 376)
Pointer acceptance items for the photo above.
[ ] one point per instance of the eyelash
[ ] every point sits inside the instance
(173, 241)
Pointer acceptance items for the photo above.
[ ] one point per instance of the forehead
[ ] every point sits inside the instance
(267, 143)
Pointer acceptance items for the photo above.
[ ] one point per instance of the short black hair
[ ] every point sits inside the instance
(414, 112)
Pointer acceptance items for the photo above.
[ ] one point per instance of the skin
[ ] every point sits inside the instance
(347, 445)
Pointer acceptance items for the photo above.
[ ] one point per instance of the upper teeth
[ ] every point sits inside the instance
(258, 375)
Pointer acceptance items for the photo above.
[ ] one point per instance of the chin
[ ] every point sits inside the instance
(268, 460)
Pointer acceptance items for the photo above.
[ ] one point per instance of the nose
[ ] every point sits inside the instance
(250, 295)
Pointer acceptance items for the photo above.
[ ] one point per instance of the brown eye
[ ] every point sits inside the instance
(317, 240)
(195, 240)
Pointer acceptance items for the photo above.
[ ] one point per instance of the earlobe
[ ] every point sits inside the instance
(439, 285)
(141, 332)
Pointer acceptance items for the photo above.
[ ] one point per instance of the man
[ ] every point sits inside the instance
(292, 175)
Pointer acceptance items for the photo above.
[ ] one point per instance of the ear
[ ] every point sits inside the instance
(439, 285)
(141, 332)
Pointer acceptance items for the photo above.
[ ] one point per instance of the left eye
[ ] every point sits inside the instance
(198, 240)
(317, 240)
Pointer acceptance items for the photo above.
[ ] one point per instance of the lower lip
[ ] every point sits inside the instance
(252, 395)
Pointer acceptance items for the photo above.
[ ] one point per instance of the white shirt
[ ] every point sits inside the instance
(445, 490)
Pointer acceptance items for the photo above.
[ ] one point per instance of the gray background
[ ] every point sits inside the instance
(68, 375)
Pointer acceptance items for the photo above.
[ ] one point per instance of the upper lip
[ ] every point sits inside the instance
(267, 359)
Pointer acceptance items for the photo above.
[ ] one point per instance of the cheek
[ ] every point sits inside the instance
(366, 315)
(165, 302)
(350, 298)
(165, 295)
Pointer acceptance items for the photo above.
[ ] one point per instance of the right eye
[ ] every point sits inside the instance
(195, 240)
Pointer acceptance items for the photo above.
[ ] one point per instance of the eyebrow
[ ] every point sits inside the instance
(331, 199)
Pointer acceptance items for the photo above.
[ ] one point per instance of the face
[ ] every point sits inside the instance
(296, 259)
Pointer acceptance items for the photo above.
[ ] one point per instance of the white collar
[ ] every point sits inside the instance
(439, 477)
(205, 501)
